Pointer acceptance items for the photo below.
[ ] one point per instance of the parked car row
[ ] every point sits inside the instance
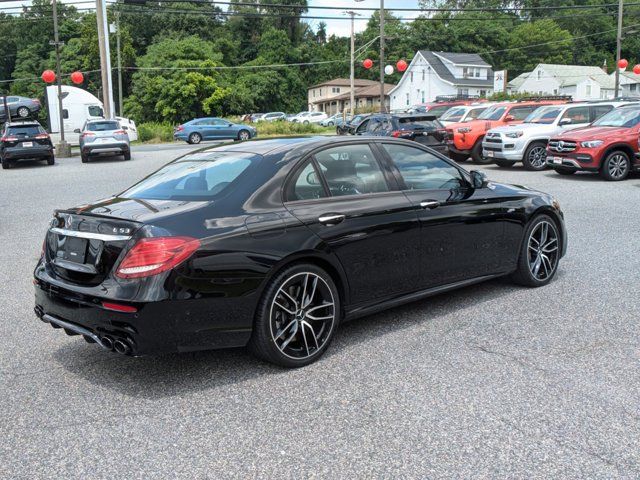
(28, 140)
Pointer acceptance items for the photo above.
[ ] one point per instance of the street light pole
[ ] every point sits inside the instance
(119, 62)
(105, 58)
(63, 149)
(382, 102)
(352, 74)
(618, 48)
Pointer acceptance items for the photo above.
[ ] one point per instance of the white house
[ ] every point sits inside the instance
(581, 82)
(434, 74)
(629, 84)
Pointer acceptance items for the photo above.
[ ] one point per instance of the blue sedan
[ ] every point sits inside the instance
(201, 129)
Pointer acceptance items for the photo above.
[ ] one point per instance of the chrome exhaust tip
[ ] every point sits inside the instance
(107, 342)
(121, 347)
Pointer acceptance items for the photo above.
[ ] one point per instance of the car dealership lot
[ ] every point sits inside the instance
(490, 381)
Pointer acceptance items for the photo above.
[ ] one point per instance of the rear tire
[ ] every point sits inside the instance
(458, 157)
(616, 166)
(6, 165)
(539, 253)
(51, 160)
(84, 157)
(283, 333)
(127, 155)
(244, 135)
(535, 157)
(565, 171)
(194, 138)
(23, 112)
(476, 154)
(504, 163)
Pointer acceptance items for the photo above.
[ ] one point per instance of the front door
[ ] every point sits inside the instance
(348, 200)
(462, 228)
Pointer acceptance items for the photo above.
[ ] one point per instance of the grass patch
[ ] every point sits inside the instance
(269, 129)
(155, 132)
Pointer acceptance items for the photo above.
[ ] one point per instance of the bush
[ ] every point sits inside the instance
(155, 132)
(290, 128)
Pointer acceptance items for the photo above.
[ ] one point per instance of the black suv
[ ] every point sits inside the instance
(423, 128)
(24, 141)
(349, 127)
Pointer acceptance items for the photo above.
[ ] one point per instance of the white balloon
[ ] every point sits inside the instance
(388, 70)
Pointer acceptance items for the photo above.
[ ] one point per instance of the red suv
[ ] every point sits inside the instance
(442, 104)
(610, 145)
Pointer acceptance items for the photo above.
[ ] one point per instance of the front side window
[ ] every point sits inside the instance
(196, 177)
(422, 170)
(95, 111)
(492, 113)
(520, 113)
(544, 115)
(475, 113)
(601, 110)
(454, 114)
(577, 115)
(351, 170)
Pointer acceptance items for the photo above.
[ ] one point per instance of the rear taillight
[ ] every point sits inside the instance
(36, 101)
(9, 139)
(120, 132)
(179, 128)
(87, 134)
(151, 256)
(42, 136)
(396, 133)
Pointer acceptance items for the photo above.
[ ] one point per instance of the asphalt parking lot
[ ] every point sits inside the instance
(494, 381)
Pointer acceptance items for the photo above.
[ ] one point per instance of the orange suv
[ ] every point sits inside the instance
(465, 139)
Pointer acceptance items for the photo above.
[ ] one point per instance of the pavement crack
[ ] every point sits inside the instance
(508, 356)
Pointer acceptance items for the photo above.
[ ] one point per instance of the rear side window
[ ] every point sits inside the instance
(194, 177)
(307, 185)
(437, 111)
(102, 126)
(25, 130)
(421, 124)
(351, 170)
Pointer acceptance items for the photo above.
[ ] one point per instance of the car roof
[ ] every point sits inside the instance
(22, 123)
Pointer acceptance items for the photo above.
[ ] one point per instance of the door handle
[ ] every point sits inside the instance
(331, 218)
(429, 204)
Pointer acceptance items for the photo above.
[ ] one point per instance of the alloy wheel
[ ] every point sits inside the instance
(538, 157)
(617, 166)
(543, 248)
(244, 135)
(23, 112)
(302, 315)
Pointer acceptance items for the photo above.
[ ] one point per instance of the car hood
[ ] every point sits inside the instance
(477, 125)
(591, 133)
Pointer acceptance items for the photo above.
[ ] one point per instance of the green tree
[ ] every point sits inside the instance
(545, 42)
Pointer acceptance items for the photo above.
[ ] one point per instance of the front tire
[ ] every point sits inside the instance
(127, 155)
(539, 253)
(616, 166)
(296, 317)
(195, 138)
(476, 154)
(23, 112)
(51, 160)
(244, 135)
(84, 157)
(504, 163)
(535, 157)
(6, 165)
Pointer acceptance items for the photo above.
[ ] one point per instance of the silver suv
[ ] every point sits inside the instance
(527, 142)
(103, 137)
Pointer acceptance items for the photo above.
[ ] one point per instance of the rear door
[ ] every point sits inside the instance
(462, 229)
(345, 196)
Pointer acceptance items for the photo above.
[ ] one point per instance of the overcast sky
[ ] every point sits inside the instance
(337, 27)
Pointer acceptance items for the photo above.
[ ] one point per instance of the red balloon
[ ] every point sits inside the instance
(368, 63)
(623, 63)
(48, 76)
(77, 77)
(401, 65)
(636, 69)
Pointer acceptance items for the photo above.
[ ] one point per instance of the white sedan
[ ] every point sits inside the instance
(310, 117)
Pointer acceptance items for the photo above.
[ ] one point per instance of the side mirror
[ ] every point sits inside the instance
(312, 178)
(230, 125)
(565, 121)
(77, 130)
(124, 127)
(509, 118)
(478, 179)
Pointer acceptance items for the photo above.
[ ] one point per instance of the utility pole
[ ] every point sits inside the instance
(105, 58)
(352, 75)
(618, 48)
(63, 149)
(382, 102)
(119, 62)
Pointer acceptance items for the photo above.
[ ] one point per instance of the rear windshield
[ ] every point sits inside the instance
(420, 123)
(621, 117)
(439, 110)
(197, 177)
(544, 115)
(25, 130)
(102, 126)
(492, 113)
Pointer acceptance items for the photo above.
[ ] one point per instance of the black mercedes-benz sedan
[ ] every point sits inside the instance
(272, 243)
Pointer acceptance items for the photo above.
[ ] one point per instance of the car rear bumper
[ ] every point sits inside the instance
(154, 328)
(25, 153)
(105, 148)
